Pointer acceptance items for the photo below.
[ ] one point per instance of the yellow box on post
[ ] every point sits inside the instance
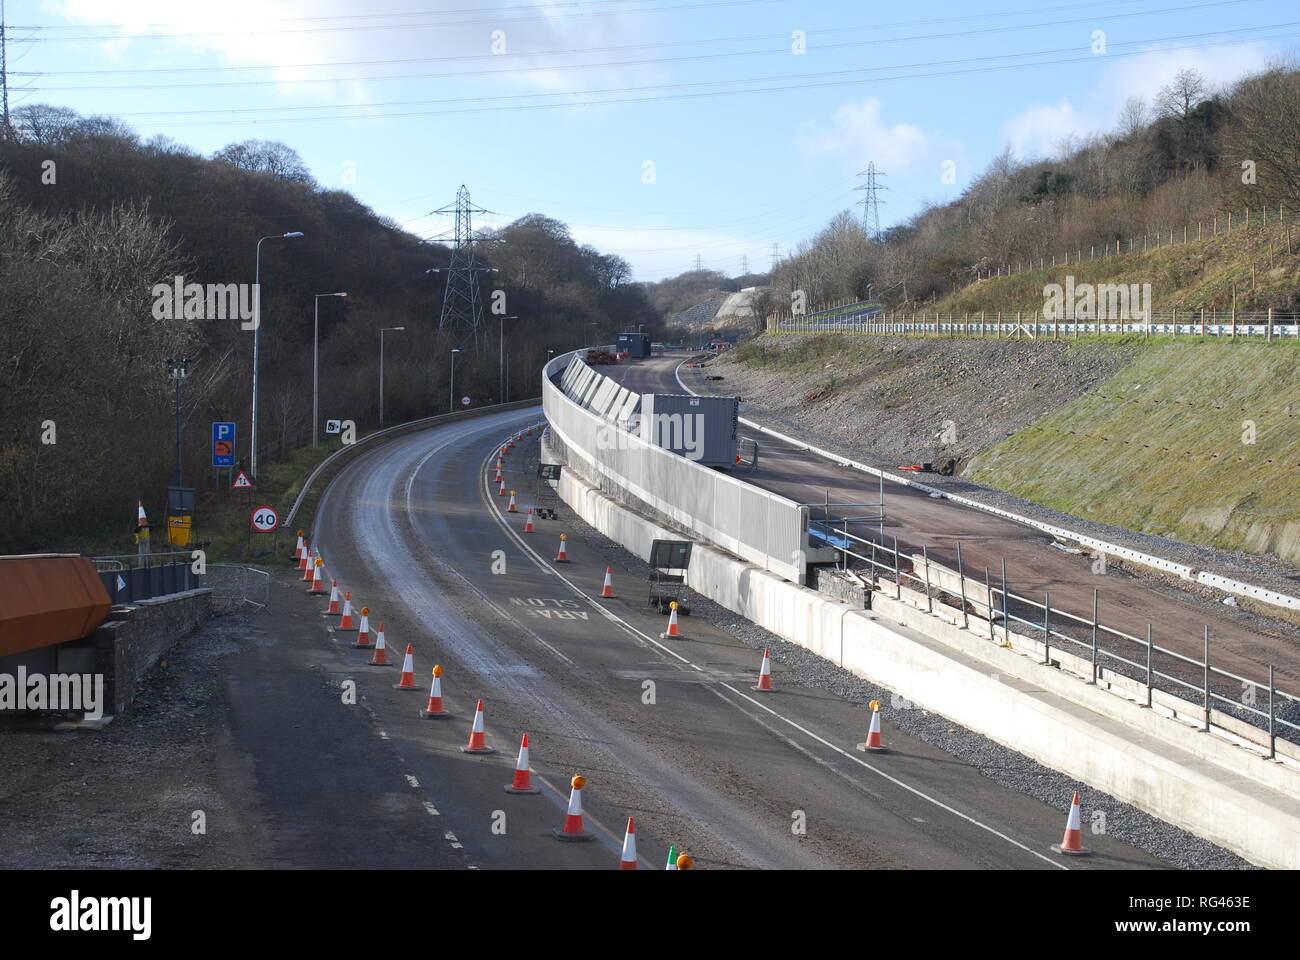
(178, 531)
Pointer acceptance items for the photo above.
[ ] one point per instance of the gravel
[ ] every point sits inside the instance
(1003, 765)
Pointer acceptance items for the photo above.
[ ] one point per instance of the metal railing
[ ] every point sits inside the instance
(1222, 324)
(991, 600)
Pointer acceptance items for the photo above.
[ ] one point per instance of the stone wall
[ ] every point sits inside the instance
(134, 636)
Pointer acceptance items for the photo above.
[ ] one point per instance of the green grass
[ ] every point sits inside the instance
(1164, 446)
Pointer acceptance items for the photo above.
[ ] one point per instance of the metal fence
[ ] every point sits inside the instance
(763, 528)
(130, 578)
(996, 607)
(1222, 324)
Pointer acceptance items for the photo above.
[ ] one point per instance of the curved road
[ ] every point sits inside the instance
(667, 731)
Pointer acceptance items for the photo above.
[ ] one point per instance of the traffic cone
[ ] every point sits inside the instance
(765, 673)
(502, 491)
(512, 508)
(380, 659)
(407, 680)
(672, 630)
(140, 519)
(572, 829)
(433, 709)
(672, 858)
(628, 859)
(607, 590)
(477, 742)
(297, 551)
(872, 744)
(523, 782)
(346, 622)
(528, 522)
(318, 583)
(308, 568)
(334, 598)
(1072, 843)
(363, 635)
(305, 559)
(562, 556)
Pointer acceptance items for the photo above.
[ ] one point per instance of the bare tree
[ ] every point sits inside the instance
(1182, 95)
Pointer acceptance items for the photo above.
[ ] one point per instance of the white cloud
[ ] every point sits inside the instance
(859, 130)
(1040, 129)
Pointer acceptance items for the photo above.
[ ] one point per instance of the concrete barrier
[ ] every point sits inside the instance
(1133, 754)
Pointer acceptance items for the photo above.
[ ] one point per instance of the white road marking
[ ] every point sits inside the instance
(431, 809)
(544, 565)
(412, 781)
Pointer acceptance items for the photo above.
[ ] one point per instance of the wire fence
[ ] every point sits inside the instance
(987, 602)
(1267, 325)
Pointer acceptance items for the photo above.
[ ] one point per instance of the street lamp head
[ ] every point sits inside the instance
(288, 236)
(396, 328)
(338, 294)
(455, 350)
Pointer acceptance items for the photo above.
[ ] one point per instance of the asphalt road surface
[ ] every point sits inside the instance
(1034, 566)
(668, 731)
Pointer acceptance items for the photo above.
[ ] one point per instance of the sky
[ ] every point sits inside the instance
(660, 130)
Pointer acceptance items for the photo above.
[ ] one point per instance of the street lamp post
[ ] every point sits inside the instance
(178, 370)
(382, 331)
(501, 358)
(257, 330)
(452, 398)
(315, 369)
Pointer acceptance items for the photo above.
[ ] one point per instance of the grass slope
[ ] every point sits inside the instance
(1194, 440)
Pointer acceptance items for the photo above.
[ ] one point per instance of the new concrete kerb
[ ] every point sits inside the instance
(993, 691)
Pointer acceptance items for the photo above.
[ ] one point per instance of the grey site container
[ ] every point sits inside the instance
(702, 429)
(635, 344)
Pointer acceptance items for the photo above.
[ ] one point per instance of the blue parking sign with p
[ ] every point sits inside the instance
(223, 444)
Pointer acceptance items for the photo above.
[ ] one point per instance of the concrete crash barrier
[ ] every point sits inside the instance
(1186, 778)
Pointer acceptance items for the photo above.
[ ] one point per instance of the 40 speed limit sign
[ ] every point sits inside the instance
(264, 519)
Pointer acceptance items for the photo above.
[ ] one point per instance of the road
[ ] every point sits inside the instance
(1034, 567)
(667, 731)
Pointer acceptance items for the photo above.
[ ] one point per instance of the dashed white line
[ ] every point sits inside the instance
(591, 601)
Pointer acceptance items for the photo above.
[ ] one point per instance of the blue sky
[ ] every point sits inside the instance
(621, 117)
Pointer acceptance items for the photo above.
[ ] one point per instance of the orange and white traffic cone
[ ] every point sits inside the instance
(502, 492)
(563, 555)
(765, 673)
(407, 680)
(523, 782)
(363, 635)
(433, 709)
(318, 581)
(512, 508)
(573, 829)
(477, 738)
(607, 590)
(627, 861)
(498, 478)
(333, 608)
(872, 743)
(308, 567)
(305, 559)
(672, 630)
(346, 622)
(1072, 842)
(528, 521)
(380, 659)
(297, 551)
(140, 519)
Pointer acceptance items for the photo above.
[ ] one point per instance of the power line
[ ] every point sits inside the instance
(870, 202)
(1087, 57)
(621, 63)
(462, 304)
(491, 21)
